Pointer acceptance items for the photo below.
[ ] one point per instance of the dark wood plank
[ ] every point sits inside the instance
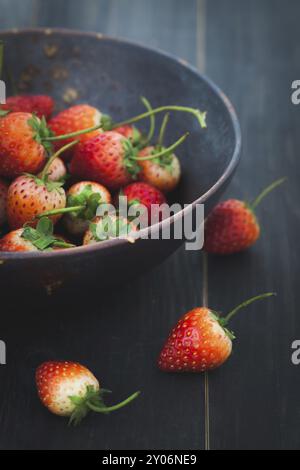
(253, 54)
(118, 334)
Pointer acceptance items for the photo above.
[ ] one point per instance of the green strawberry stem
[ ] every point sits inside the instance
(45, 171)
(164, 151)
(224, 321)
(200, 116)
(148, 106)
(65, 210)
(265, 192)
(72, 134)
(1, 57)
(162, 131)
(105, 409)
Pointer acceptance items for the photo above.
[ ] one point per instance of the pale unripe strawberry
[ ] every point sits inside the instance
(70, 389)
(84, 193)
(57, 170)
(164, 174)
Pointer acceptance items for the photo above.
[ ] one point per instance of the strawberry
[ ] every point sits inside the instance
(164, 173)
(130, 132)
(75, 119)
(41, 105)
(25, 142)
(147, 196)
(3, 201)
(30, 239)
(200, 341)
(232, 226)
(84, 198)
(70, 389)
(57, 170)
(29, 195)
(109, 227)
(20, 151)
(110, 159)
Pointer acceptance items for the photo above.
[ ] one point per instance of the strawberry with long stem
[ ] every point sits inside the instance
(107, 126)
(201, 340)
(162, 172)
(111, 160)
(71, 390)
(232, 225)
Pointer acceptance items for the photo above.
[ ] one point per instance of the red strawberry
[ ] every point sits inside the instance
(41, 105)
(143, 194)
(75, 119)
(200, 341)
(30, 239)
(70, 389)
(108, 158)
(20, 152)
(29, 196)
(3, 201)
(130, 132)
(232, 225)
(88, 196)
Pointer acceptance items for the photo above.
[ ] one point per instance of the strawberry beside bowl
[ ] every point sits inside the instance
(111, 74)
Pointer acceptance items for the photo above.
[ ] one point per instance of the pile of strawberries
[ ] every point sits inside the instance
(62, 168)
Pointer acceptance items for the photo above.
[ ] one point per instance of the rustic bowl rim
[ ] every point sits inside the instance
(106, 245)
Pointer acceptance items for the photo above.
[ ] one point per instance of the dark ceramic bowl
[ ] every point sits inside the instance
(112, 74)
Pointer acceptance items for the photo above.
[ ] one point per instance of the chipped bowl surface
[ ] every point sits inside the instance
(111, 74)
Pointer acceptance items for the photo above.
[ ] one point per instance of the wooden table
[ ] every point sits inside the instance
(252, 50)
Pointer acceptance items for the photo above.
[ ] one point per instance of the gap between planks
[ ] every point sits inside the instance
(201, 62)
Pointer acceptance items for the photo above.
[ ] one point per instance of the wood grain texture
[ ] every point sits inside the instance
(118, 334)
(253, 54)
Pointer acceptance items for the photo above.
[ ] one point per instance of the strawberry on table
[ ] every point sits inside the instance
(143, 194)
(40, 238)
(232, 226)
(40, 105)
(200, 341)
(3, 201)
(29, 195)
(70, 389)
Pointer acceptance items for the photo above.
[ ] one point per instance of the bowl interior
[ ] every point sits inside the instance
(112, 75)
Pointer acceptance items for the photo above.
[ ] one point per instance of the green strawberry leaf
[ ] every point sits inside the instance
(42, 236)
(130, 162)
(87, 198)
(110, 227)
(41, 132)
(4, 112)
